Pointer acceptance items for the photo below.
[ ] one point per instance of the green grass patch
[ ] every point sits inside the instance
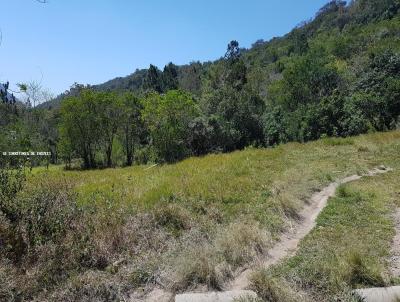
(350, 245)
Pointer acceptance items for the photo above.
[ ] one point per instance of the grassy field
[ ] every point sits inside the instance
(349, 248)
(196, 222)
(235, 184)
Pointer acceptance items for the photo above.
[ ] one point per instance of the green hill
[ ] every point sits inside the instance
(335, 75)
(346, 33)
(331, 29)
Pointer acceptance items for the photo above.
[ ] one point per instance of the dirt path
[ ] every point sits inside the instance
(289, 241)
(288, 244)
(395, 252)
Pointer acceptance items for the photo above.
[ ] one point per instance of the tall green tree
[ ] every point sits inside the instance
(153, 79)
(235, 108)
(132, 124)
(170, 77)
(168, 118)
(80, 126)
(110, 112)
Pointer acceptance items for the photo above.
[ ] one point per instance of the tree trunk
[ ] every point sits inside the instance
(108, 155)
(129, 149)
(129, 157)
(92, 163)
(86, 161)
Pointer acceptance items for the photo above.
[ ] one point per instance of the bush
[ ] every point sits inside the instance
(275, 128)
(11, 183)
(145, 155)
(46, 215)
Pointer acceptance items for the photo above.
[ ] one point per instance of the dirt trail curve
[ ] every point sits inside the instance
(289, 241)
(287, 245)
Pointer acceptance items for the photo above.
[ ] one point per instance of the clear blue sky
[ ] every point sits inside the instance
(92, 41)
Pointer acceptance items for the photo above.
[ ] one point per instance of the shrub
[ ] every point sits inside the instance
(47, 214)
(11, 182)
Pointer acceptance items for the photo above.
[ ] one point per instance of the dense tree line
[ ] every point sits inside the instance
(167, 123)
(336, 75)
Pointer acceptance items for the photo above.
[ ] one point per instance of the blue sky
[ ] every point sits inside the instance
(92, 41)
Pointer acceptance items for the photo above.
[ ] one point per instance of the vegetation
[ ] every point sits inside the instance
(336, 75)
(348, 248)
(106, 234)
(157, 216)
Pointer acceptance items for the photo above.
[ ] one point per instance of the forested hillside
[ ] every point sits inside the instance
(335, 75)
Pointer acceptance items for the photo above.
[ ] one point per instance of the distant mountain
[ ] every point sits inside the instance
(343, 30)
(189, 79)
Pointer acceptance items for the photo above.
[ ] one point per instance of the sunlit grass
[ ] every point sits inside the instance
(236, 183)
(350, 245)
(209, 216)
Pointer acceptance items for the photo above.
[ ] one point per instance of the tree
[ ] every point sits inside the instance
(306, 80)
(90, 123)
(235, 107)
(110, 111)
(35, 93)
(153, 79)
(190, 77)
(233, 51)
(170, 77)
(377, 91)
(275, 127)
(132, 124)
(235, 70)
(202, 136)
(168, 118)
(299, 41)
(80, 127)
(364, 11)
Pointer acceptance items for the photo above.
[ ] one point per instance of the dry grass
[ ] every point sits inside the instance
(184, 225)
